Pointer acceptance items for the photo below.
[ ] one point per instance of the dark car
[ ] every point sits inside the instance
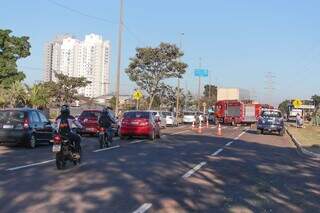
(89, 119)
(271, 121)
(24, 126)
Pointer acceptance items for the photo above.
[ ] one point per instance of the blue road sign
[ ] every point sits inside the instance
(201, 73)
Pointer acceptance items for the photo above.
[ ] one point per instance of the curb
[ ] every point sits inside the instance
(300, 148)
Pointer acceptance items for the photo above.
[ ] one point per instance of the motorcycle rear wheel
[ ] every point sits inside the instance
(60, 162)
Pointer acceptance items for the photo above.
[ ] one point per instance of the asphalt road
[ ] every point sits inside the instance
(184, 171)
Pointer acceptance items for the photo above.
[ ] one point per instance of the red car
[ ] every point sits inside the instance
(139, 123)
(89, 120)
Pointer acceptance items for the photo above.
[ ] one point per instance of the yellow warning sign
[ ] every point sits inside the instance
(297, 103)
(137, 95)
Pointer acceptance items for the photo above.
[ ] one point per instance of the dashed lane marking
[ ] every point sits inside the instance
(229, 143)
(194, 169)
(138, 141)
(30, 165)
(143, 208)
(217, 152)
(176, 133)
(100, 150)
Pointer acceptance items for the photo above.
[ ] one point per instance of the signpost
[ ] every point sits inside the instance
(137, 95)
(297, 103)
(200, 73)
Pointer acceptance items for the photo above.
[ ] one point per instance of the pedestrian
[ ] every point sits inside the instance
(299, 121)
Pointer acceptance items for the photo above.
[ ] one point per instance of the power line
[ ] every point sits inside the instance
(96, 18)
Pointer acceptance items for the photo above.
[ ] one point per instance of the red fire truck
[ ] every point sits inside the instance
(237, 112)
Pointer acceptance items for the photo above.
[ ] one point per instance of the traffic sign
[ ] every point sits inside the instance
(204, 104)
(137, 95)
(297, 103)
(201, 73)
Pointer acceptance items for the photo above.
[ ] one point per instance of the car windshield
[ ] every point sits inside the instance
(11, 116)
(188, 113)
(90, 114)
(166, 114)
(273, 114)
(136, 115)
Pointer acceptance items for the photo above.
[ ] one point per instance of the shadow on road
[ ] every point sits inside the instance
(246, 176)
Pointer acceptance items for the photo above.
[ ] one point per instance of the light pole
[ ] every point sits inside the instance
(199, 87)
(119, 57)
(178, 89)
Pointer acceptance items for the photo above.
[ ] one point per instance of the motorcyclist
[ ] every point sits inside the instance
(65, 121)
(106, 120)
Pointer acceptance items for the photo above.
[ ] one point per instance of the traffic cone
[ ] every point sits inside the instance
(200, 127)
(219, 130)
(192, 124)
(207, 123)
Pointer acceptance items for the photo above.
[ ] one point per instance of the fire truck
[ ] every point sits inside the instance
(237, 112)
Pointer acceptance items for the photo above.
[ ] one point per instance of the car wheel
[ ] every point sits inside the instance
(32, 142)
(152, 136)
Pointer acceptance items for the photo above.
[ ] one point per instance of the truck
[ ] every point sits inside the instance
(237, 112)
(232, 94)
(307, 108)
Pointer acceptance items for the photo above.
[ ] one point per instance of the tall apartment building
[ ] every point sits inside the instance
(89, 58)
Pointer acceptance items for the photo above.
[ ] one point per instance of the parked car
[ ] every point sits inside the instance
(271, 120)
(188, 117)
(89, 119)
(162, 121)
(170, 118)
(25, 126)
(139, 123)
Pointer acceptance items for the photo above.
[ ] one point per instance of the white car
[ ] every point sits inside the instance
(158, 115)
(188, 117)
(170, 118)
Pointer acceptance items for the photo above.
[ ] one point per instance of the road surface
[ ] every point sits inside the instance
(185, 171)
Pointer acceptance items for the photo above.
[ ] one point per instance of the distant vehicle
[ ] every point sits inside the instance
(160, 120)
(89, 119)
(236, 112)
(306, 108)
(25, 126)
(188, 117)
(170, 118)
(271, 120)
(140, 124)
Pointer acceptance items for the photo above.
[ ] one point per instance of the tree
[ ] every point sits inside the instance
(17, 94)
(150, 66)
(283, 106)
(66, 89)
(210, 94)
(112, 102)
(40, 95)
(12, 48)
(316, 100)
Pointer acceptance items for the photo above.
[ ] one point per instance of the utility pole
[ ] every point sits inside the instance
(199, 87)
(178, 90)
(119, 57)
(269, 80)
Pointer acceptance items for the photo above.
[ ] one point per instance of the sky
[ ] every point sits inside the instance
(238, 41)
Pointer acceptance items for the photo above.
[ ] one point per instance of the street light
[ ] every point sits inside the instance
(178, 90)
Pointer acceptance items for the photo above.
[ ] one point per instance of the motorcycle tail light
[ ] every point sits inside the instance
(57, 139)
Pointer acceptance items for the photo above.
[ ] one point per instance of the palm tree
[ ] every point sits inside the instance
(17, 94)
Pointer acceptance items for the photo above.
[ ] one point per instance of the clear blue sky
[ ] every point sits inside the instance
(239, 41)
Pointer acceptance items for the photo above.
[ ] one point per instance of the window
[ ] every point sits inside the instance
(34, 117)
(43, 118)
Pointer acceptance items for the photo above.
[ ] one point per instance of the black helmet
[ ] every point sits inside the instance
(65, 109)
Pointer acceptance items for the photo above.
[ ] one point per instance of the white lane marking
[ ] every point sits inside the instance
(194, 169)
(138, 141)
(224, 127)
(217, 152)
(229, 143)
(100, 150)
(30, 165)
(176, 133)
(236, 127)
(143, 208)
(213, 127)
(237, 138)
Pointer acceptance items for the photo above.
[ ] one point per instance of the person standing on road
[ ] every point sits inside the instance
(65, 122)
(299, 121)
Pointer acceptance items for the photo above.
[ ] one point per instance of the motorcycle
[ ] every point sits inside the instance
(65, 151)
(105, 138)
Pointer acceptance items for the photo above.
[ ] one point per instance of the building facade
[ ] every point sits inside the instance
(89, 58)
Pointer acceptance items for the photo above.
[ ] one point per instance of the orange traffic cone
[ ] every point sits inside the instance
(192, 124)
(207, 123)
(219, 130)
(200, 127)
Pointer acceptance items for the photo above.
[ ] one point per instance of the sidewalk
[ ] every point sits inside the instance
(308, 137)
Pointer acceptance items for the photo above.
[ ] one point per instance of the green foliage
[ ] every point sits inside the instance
(12, 48)
(283, 106)
(17, 94)
(210, 94)
(150, 66)
(316, 100)
(112, 102)
(40, 95)
(66, 89)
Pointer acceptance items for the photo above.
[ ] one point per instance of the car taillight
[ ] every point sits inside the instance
(144, 123)
(124, 123)
(102, 129)
(26, 124)
(57, 139)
